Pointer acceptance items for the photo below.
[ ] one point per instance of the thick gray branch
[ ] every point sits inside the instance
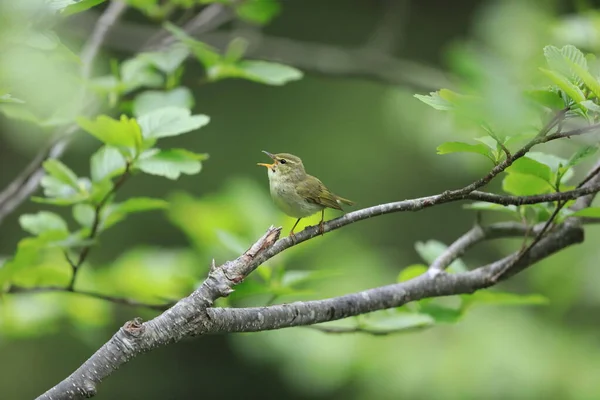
(183, 319)
(427, 285)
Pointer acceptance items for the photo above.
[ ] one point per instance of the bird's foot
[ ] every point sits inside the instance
(321, 228)
(293, 236)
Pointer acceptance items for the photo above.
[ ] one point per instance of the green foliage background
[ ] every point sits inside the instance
(369, 141)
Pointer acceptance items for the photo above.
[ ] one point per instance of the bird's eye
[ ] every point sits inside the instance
(283, 161)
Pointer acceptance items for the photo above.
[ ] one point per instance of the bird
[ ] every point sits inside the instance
(297, 193)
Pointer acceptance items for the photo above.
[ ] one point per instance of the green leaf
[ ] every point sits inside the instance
(294, 278)
(84, 214)
(7, 98)
(117, 212)
(137, 72)
(268, 72)
(61, 172)
(170, 163)
(119, 133)
(562, 60)
(581, 154)
(591, 212)
(524, 185)
(546, 98)
(151, 100)
(432, 249)
(59, 193)
(170, 121)
(442, 100)
(107, 162)
(485, 206)
(555, 163)
(167, 61)
(42, 222)
(100, 190)
(397, 322)
(489, 142)
(80, 6)
(140, 204)
(572, 90)
(588, 80)
(529, 166)
(410, 272)
(235, 50)
(207, 55)
(258, 11)
(461, 147)
(492, 297)
(440, 313)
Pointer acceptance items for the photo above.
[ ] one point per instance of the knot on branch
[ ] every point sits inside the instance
(134, 328)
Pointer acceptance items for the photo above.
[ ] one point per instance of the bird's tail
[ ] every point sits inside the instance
(343, 200)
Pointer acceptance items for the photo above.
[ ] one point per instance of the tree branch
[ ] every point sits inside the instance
(256, 319)
(112, 299)
(318, 58)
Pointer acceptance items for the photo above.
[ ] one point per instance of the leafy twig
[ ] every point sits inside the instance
(27, 181)
(95, 225)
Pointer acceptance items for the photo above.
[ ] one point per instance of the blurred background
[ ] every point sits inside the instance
(356, 124)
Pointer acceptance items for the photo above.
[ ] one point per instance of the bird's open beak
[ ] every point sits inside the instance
(267, 165)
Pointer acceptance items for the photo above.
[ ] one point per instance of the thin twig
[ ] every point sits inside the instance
(95, 225)
(112, 299)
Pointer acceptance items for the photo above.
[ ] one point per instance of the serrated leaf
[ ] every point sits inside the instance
(562, 60)
(171, 163)
(524, 185)
(151, 100)
(461, 147)
(572, 90)
(440, 100)
(84, 214)
(170, 121)
(432, 249)
(42, 222)
(107, 162)
(167, 61)
(119, 133)
(581, 154)
(591, 212)
(410, 272)
(61, 172)
(529, 166)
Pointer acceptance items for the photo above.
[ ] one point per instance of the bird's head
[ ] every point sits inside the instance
(285, 166)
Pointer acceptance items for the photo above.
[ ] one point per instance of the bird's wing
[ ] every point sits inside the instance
(313, 190)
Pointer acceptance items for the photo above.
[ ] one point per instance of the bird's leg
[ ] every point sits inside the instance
(321, 227)
(292, 231)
